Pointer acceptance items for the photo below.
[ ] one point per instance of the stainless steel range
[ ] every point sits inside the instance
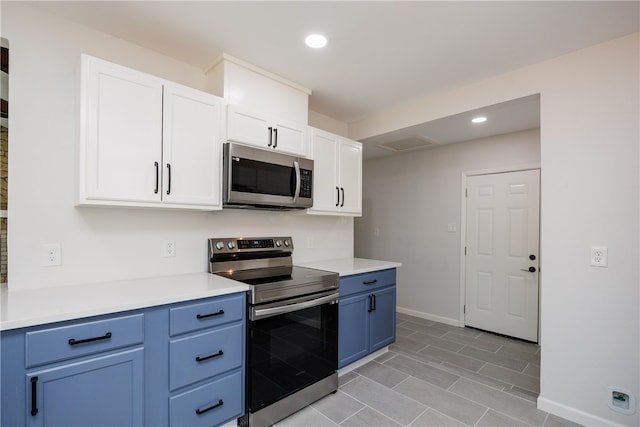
(292, 331)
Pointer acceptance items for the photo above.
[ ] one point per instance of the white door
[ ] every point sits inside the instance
(191, 147)
(503, 253)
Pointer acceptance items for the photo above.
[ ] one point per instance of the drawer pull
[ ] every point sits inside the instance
(34, 403)
(106, 336)
(211, 356)
(370, 282)
(204, 316)
(217, 405)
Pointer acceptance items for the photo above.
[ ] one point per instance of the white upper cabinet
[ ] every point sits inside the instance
(337, 174)
(266, 131)
(138, 149)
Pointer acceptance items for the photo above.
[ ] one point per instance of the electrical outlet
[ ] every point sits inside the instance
(599, 256)
(169, 248)
(51, 256)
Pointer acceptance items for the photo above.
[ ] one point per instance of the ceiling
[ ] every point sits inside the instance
(380, 53)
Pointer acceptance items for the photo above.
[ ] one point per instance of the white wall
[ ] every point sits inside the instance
(411, 198)
(590, 161)
(100, 244)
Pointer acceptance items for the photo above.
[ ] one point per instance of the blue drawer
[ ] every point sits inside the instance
(67, 342)
(213, 312)
(209, 405)
(204, 355)
(367, 282)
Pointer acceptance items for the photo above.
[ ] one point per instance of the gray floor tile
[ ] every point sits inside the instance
(515, 353)
(385, 356)
(495, 419)
(529, 395)
(532, 369)
(474, 342)
(416, 355)
(512, 377)
(553, 421)
(422, 371)
(369, 418)
(408, 344)
(456, 370)
(425, 329)
(307, 417)
(345, 378)
(387, 401)
(474, 333)
(403, 332)
(338, 407)
(435, 341)
(433, 418)
(470, 363)
(500, 401)
(515, 344)
(382, 374)
(495, 358)
(414, 319)
(450, 404)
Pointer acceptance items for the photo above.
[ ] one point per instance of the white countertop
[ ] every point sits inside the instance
(351, 266)
(24, 308)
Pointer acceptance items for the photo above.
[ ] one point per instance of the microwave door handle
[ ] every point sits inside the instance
(296, 194)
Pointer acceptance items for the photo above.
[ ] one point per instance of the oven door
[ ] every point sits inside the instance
(291, 347)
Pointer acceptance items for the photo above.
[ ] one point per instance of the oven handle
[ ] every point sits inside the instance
(262, 313)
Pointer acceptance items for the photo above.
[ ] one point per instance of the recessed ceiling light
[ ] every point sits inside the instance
(479, 119)
(316, 41)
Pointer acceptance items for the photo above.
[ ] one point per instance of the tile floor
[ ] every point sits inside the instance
(437, 375)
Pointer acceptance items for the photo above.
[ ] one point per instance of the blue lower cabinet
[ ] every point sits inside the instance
(353, 331)
(211, 404)
(367, 318)
(147, 367)
(100, 392)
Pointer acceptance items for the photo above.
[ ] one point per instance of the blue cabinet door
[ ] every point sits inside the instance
(383, 318)
(353, 330)
(99, 392)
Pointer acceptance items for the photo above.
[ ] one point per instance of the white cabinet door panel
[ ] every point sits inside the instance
(249, 127)
(123, 112)
(291, 137)
(191, 147)
(350, 155)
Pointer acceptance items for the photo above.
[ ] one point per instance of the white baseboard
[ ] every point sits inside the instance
(428, 316)
(572, 414)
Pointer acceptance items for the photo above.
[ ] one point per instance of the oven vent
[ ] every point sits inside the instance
(410, 143)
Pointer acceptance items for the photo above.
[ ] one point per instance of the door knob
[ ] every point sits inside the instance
(530, 269)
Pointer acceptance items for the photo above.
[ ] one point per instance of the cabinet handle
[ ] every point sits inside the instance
(270, 136)
(211, 356)
(204, 316)
(370, 309)
(106, 336)
(34, 396)
(275, 131)
(342, 190)
(338, 197)
(217, 405)
(169, 179)
(157, 177)
(370, 282)
(373, 298)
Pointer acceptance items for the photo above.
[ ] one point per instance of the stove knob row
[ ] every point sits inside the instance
(278, 243)
(231, 244)
(219, 245)
(287, 243)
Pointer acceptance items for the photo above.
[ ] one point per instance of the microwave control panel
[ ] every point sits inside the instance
(305, 183)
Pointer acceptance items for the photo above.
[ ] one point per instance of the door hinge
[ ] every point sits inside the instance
(465, 250)
(466, 192)
(464, 309)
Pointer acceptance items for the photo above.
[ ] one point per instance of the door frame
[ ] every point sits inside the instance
(463, 230)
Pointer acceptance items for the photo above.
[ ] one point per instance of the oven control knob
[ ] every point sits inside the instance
(231, 244)
(287, 243)
(219, 246)
(278, 243)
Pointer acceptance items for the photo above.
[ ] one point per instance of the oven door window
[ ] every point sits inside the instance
(251, 176)
(291, 351)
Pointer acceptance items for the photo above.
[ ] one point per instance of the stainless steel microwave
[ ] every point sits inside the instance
(257, 178)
